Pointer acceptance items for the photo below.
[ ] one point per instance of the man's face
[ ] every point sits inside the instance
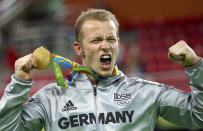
(99, 45)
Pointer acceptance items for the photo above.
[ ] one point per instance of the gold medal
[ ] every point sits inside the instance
(42, 56)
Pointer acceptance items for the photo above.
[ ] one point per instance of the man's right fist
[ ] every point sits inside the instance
(24, 67)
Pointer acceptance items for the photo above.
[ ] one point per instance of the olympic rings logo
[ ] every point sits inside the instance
(122, 99)
(122, 103)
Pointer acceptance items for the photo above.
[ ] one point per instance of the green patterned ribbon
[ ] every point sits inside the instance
(75, 67)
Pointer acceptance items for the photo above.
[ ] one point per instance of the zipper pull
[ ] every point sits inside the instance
(95, 90)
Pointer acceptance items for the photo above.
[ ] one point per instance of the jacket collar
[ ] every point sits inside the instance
(85, 83)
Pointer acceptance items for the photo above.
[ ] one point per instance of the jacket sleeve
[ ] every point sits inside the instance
(184, 108)
(14, 116)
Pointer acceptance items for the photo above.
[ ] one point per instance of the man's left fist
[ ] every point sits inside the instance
(183, 54)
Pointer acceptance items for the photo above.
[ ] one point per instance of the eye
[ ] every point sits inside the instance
(111, 40)
(95, 41)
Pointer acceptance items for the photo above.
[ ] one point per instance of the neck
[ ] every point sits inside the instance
(93, 80)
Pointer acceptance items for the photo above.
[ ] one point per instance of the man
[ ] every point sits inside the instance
(112, 102)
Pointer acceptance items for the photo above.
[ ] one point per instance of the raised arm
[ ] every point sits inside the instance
(183, 108)
(13, 114)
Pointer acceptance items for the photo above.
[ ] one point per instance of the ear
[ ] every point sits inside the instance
(119, 42)
(78, 49)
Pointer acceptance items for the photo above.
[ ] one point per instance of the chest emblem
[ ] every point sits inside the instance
(122, 99)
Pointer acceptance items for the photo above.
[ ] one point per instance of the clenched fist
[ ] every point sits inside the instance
(24, 67)
(183, 54)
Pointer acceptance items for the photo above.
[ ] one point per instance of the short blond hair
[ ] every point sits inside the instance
(93, 14)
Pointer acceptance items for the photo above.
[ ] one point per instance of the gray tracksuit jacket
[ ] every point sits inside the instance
(117, 103)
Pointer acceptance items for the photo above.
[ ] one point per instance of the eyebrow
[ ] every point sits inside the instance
(99, 37)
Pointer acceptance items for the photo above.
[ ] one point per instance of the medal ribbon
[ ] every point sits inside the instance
(75, 67)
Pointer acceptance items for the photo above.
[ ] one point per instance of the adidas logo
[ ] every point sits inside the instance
(69, 106)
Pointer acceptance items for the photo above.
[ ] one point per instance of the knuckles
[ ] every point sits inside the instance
(24, 61)
(178, 47)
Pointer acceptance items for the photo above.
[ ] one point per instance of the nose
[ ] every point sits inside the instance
(105, 45)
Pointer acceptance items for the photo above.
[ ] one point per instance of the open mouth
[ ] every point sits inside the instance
(105, 61)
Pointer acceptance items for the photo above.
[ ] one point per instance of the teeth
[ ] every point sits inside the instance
(105, 57)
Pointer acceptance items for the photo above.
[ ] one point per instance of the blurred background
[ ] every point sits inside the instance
(147, 30)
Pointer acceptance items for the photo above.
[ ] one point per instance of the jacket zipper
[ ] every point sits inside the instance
(95, 103)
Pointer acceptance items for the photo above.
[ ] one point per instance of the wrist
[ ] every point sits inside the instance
(196, 61)
(22, 83)
(22, 76)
